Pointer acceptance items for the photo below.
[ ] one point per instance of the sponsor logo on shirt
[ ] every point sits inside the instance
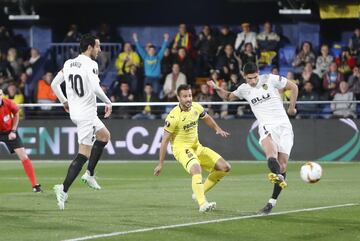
(6, 118)
(261, 99)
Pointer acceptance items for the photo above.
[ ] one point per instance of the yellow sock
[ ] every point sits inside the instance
(198, 188)
(213, 178)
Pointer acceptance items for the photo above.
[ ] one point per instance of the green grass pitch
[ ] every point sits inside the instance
(132, 198)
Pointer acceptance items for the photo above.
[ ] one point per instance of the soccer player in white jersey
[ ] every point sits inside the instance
(275, 130)
(82, 87)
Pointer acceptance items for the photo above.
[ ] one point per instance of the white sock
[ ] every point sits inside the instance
(272, 201)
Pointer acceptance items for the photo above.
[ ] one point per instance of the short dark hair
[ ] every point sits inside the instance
(86, 40)
(250, 68)
(182, 87)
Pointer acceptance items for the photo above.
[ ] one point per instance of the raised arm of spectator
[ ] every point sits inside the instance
(140, 49)
(164, 46)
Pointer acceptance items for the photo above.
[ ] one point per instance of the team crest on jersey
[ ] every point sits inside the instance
(265, 87)
(95, 71)
(195, 113)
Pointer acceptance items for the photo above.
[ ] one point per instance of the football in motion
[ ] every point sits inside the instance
(311, 172)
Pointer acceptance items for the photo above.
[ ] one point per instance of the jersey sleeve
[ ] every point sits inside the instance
(239, 92)
(14, 108)
(277, 81)
(201, 111)
(170, 123)
(95, 83)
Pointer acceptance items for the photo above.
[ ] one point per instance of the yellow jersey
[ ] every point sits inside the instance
(183, 125)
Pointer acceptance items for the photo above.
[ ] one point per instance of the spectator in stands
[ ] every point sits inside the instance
(268, 45)
(234, 83)
(186, 65)
(344, 110)
(148, 112)
(33, 63)
(127, 58)
(226, 37)
(354, 82)
(206, 46)
(331, 81)
(14, 94)
(308, 75)
(307, 94)
(133, 78)
(323, 61)
(166, 62)
(228, 63)
(305, 55)
(73, 35)
(122, 94)
(345, 62)
(152, 62)
(107, 35)
(248, 54)
(246, 36)
(172, 82)
(354, 42)
(5, 67)
(15, 62)
(21, 83)
(183, 39)
(275, 70)
(44, 93)
(5, 39)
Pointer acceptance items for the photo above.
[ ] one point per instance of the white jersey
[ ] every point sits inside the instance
(265, 100)
(81, 79)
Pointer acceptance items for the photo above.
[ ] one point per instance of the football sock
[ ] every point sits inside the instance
(29, 170)
(198, 188)
(74, 169)
(213, 178)
(277, 188)
(273, 165)
(95, 155)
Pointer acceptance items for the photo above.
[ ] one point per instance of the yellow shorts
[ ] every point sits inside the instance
(201, 155)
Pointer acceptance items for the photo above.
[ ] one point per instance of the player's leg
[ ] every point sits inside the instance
(73, 171)
(76, 165)
(215, 165)
(102, 138)
(29, 169)
(198, 189)
(271, 153)
(16, 146)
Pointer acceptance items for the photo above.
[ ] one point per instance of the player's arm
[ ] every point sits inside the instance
(224, 94)
(163, 147)
(55, 86)
(95, 82)
(293, 96)
(213, 125)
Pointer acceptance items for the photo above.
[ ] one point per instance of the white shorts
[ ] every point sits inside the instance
(282, 135)
(86, 130)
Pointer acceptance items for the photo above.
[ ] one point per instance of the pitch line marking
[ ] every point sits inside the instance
(142, 230)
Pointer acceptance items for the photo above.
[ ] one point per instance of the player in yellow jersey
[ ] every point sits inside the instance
(181, 130)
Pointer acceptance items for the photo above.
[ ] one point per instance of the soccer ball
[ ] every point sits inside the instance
(311, 172)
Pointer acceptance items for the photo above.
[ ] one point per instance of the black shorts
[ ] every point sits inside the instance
(11, 144)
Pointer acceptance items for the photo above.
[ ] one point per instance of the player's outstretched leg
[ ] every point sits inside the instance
(272, 201)
(275, 176)
(95, 155)
(221, 169)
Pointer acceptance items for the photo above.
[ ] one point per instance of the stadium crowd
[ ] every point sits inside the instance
(149, 73)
